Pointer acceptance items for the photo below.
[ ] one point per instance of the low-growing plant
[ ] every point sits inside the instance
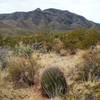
(80, 38)
(23, 50)
(53, 83)
(79, 91)
(89, 69)
(22, 70)
(91, 66)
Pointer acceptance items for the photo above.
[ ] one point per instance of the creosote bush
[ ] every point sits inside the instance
(53, 83)
(79, 38)
(22, 71)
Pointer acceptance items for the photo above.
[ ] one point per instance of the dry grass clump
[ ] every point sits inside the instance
(89, 69)
(85, 78)
(11, 94)
(91, 65)
(81, 91)
(22, 70)
(58, 45)
(23, 50)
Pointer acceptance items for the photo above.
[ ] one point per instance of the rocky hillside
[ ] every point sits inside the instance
(43, 21)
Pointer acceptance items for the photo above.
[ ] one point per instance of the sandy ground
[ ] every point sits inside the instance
(65, 63)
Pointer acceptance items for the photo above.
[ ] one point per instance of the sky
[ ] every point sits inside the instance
(87, 8)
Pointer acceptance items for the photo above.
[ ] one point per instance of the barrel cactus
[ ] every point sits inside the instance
(53, 83)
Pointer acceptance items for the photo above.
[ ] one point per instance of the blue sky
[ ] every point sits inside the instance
(87, 8)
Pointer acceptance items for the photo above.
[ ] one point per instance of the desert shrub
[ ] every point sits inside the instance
(90, 38)
(89, 69)
(79, 91)
(22, 70)
(58, 45)
(23, 50)
(91, 66)
(81, 38)
(72, 39)
(53, 83)
(96, 90)
(4, 53)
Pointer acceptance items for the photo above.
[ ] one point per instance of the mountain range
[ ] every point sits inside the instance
(48, 20)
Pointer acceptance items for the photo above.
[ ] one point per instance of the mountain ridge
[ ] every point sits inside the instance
(47, 20)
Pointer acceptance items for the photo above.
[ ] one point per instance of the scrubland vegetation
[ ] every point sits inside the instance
(60, 66)
(80, 38)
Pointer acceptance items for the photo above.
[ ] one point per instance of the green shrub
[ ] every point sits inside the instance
(53, 83)
(22, 70)
(81, 38)
(23, 50)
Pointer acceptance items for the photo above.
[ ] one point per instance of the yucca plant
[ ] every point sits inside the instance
(53, 83)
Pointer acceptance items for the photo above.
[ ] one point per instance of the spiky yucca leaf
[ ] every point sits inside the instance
(53, 82)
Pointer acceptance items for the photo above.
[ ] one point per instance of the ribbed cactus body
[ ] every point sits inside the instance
(53, 83)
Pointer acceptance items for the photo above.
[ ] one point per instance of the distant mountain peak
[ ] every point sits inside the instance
(51, 19)
(37, 9)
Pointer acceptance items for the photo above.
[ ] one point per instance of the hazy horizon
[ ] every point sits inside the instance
(86, 8)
